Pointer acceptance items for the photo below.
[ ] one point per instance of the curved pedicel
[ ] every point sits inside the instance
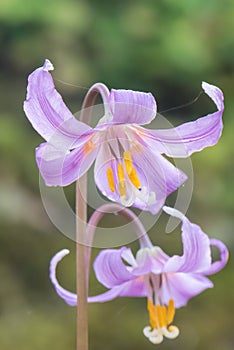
(90, 98)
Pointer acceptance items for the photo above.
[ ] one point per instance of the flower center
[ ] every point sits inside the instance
(131, 172)
(123, 176)
(160, 317)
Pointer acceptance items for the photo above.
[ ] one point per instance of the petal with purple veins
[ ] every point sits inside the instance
(182, 286)
(190, 137)
(110, 269)
(157, 175)
(69, 297)
(46, 110)
(105, 173)
(134, 288)
(132, 107)
(216, 266)
(196, 247)
(61, 168)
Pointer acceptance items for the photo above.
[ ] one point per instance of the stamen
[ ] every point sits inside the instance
(120, 172)
(110, 178)
(154, 335)
(152, 314)
(171, 332)
(128, 162)
(160, 317)
(170, 311)
(131, 171)
(134, 178)
(122, 183)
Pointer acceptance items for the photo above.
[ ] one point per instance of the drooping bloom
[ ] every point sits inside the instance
(167, 282)
(129, 166)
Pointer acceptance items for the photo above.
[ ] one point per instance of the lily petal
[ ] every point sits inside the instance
(111, 294)
(196, 247)
(158, 176)
(46, 110)
(149, 260)
(132, 107)
(105, 160)
(71, 298)
(190, 137)
(216, 266)
(110, 269)
(61, 168)
(68, 297)
(182, 286)
(134, 288)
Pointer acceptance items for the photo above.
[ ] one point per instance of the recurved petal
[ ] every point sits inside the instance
(134, 288)
(182, 286)
(61, 168)
(126, 289)
(190, 137)
(132, 107)
(110, 269)
(68, 297)
(46, 110)
(196, 247)
(106, 296)
(216, 266)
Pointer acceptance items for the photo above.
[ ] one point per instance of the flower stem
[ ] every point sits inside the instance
(81, 222)
(81, 285)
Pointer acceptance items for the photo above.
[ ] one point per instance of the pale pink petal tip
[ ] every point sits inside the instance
(48, 65)
(215, 94)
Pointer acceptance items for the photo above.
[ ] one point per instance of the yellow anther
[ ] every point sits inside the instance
(170, 311)
(134, 178)
(128, 162)
(152, 314)
(131, 171)
(120, 172)
(164, 316)
(122, 183)
(160, 316)
(110, 178)
(122, 189)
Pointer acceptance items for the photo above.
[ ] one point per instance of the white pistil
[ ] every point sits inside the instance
(160, 317)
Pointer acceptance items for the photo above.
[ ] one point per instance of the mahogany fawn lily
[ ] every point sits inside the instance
(129, 166)
(167, 282)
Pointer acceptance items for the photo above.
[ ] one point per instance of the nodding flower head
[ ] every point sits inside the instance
(167, 282)
(129, 166)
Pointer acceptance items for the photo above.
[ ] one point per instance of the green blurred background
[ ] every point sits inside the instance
(166, 47)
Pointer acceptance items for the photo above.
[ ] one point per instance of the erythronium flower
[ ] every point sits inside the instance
(167, 282)
(129, 167)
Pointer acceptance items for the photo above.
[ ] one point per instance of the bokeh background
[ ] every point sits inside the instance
(166, 47)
